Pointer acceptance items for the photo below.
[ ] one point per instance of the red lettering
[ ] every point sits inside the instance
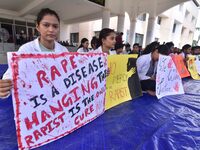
(49, 126)
(44, 116)
(84, 90)
(86, 112)
(54, 110)
(61, 117)
(64, 65)
(76, 120)
(94, 84)
(82, 116)
(91, 108)
(29, 124)
(28, 140)
(41, 76)
(74, 66)
(44, 129)
(37, 134)
(54, 72)
(67, 102)
(57, 124)
(74, 91)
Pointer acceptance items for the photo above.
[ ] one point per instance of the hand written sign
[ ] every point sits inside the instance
(54, 94)
(168, 80)
(123, 82)
(197, 61)
(180, 65)
(192, 67)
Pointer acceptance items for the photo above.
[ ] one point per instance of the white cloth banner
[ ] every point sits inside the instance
(168, 80)
(55, 94)
(197, 61)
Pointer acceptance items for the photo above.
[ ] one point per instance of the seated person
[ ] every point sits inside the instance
(119, 48)
(186, 50)
(147, 68)
(83, 48)
(136, 48)
(196, 50)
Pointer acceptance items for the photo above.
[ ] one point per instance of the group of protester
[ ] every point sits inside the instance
(48, 23)
(147, 58)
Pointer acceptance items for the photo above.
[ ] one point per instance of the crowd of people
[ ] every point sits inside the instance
(108, 42)
(147, 58)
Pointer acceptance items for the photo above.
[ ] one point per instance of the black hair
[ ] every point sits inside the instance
(151, 48)
(44, 12)
(104, 33)
(127, 45)
(136, 44)
(169, 44)
(94, 41)
(163, 49)
(83, 40)
(194, 47)
(118, 46)
(185, 47)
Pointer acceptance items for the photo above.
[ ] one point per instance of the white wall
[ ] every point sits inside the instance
(163, 32)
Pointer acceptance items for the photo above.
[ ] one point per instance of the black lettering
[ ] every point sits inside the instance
(94, 64)
(78, 75)
(44, 99)
(84, 72)
(54, 92)
(34, 99)
(100, 62)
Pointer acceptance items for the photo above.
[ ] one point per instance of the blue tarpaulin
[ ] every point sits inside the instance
(144, 123)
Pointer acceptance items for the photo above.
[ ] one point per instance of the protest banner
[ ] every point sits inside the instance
(192, 68)
(180, 65)
(123, 82)
(168, 80)
(197, 61)
(55, 94)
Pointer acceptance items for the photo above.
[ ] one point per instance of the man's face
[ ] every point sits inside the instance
(136, 48)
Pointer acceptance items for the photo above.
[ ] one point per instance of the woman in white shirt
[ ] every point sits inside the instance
(106, 41)
(48, 23)
(83, 48)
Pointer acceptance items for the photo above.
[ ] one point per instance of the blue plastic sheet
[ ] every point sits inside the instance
(144, 123)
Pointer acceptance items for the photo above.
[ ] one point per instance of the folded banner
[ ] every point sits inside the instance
(192, 67)
(54, 94)
(168, 80)
(180, 65)
(123, 82)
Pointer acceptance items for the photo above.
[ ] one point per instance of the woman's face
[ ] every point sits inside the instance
(109, 41)
(48, 28)
(86, 44)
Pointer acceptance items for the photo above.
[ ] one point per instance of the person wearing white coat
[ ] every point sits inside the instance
(48, 23)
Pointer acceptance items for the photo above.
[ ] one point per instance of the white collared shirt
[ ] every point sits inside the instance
(143, 64)
(82, 50)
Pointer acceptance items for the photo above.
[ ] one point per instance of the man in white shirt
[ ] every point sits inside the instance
(147, 67)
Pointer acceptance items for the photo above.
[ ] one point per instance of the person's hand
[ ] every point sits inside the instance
(153, 78)
(5, 87)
